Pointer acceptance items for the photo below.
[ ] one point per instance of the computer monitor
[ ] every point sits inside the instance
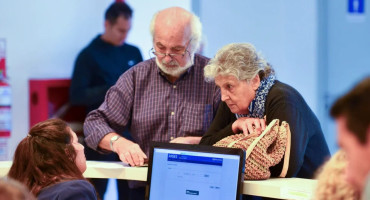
(181, 171)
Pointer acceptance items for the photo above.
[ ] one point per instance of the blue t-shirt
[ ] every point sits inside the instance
(71, 190)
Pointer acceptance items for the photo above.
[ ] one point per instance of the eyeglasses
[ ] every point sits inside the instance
(171, 55)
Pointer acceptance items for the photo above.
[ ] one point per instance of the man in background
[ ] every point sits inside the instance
(97, 68)
(352, 115)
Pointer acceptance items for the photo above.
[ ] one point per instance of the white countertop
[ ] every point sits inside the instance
(283, 188)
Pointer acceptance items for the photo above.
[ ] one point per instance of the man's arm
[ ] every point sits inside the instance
(128, 151)
(112, 117)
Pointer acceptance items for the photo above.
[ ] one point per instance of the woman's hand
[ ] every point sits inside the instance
(249, 125)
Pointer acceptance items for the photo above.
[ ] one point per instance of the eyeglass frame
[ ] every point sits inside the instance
(171, 55)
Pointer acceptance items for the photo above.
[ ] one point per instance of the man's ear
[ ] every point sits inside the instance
(106, 24)
(256, 82)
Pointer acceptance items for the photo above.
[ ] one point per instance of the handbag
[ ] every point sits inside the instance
(262, 151)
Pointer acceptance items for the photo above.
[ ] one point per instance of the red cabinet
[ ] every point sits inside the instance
(49, 98)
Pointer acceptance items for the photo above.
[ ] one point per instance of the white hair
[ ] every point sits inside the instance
(196, 31)
(239, 60)
(331, 183)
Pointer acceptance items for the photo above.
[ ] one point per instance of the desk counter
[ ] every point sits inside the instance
(283, 188)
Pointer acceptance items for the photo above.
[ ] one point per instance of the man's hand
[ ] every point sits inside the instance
(129, 152)
(186, 140)
(249, 125)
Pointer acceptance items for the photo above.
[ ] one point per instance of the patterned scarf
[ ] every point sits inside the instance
(257, 106)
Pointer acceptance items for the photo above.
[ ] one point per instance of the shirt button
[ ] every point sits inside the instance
(174, 87)
(172, 113)
(171, 138)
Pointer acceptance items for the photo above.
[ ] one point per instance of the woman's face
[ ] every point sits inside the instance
(237, 94)
(80, 154)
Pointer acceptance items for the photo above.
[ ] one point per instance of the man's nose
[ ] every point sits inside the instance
(167, 58)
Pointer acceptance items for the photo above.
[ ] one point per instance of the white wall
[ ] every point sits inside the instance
(44, 37)
(346, 45)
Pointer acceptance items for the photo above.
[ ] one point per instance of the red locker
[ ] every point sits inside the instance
(49, 98)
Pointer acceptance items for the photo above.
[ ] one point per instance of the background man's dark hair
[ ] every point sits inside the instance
(116, 10)
(355, 107)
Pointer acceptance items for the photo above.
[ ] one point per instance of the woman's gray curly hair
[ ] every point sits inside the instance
(331, 183)
(240, 60)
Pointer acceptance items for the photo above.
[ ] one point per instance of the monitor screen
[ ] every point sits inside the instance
(191, 174)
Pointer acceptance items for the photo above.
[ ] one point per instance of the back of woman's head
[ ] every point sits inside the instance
(331, 183)
(13, 190)
(45, 156)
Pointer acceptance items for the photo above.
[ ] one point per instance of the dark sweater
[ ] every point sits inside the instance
(68, 190)
(308, 146)
(97, 68)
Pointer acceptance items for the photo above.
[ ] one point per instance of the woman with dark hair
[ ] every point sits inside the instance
(50, 162)
(250, 91)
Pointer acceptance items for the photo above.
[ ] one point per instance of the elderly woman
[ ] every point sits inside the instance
(50, 162)
(250, 91)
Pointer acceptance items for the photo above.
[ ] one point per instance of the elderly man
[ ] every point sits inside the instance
(352, 115)
(161, 99)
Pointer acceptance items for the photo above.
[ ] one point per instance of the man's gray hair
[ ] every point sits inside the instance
(196, 31)
(239, 60)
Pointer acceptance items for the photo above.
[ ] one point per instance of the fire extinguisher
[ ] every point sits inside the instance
(5, 107)
(5, 116)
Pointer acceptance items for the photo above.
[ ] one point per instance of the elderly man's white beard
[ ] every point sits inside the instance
(175, 70)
